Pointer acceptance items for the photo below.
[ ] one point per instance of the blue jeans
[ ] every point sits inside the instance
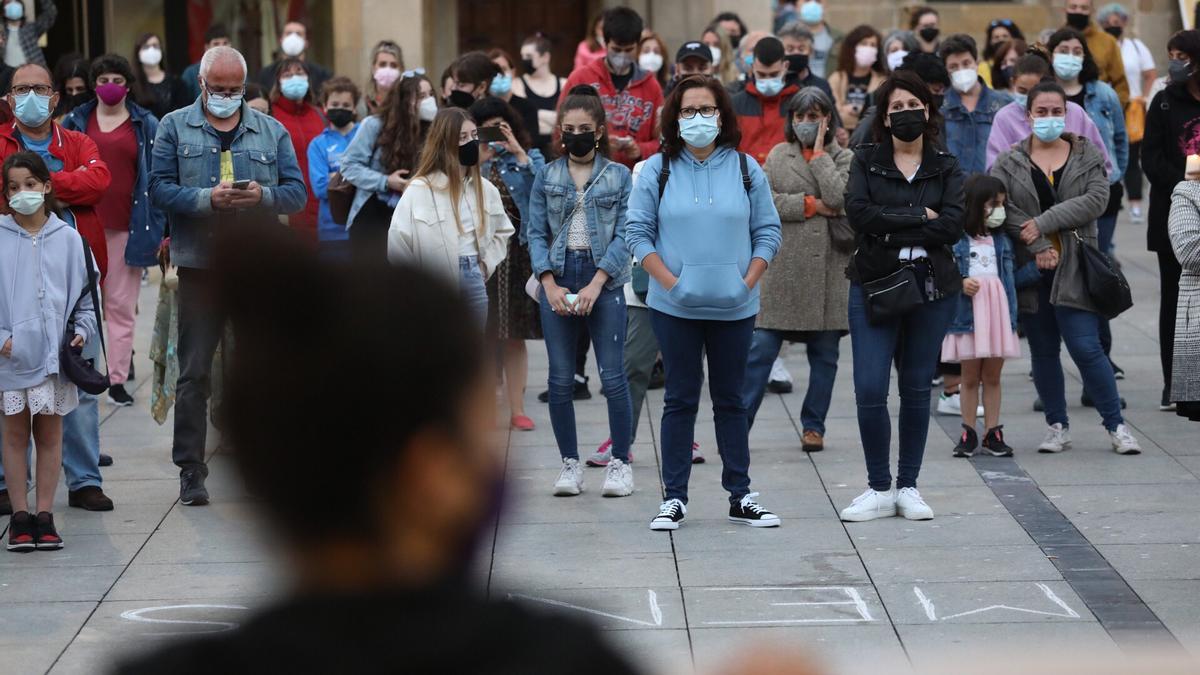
(915, 340)
(1106, 227)
(606, 324)
(1046, 330)
(822, 350)
(472, 289)
(684, 343)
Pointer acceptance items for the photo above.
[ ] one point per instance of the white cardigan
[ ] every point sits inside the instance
(423, 230)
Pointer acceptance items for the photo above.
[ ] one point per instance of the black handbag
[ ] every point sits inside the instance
(1106, 286)
(841, 234)
(71, 362)
(893, 296)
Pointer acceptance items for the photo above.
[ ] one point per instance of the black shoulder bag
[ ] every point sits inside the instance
(71, 362)
(1106, 286)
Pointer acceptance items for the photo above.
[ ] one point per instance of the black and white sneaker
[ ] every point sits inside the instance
(670, 514)
(748, 511)
(118, 396)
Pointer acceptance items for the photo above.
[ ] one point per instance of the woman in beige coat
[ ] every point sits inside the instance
(804, 292)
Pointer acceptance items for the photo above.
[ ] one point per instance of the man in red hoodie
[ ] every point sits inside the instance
(631, 96)
(759, 106)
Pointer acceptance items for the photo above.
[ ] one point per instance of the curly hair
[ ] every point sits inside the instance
(490, 107)
(399, 140)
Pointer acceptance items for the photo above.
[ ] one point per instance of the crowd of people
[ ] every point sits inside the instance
(934, 197)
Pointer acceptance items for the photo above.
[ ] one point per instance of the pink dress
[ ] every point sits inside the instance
(994, 336)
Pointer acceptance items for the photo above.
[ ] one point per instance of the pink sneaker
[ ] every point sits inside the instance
(697, 458)
(522, 423)
(603, 455)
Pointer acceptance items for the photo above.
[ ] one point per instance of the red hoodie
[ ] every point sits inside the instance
(303, 123)
(631, 112)
(760, 120)
(80, 184)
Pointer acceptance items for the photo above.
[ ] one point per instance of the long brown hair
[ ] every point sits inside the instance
(277, 90)
(440, 155)
(32, 162)
(400, 126)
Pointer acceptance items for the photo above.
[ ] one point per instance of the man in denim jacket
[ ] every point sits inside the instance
(200, 153)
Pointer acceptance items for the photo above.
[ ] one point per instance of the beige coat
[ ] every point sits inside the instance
(839, 82)
(424, 231)
(805, 288)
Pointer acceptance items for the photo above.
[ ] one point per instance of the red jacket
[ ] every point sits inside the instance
(303, 123)
(79, 185)
(631, 112)
(761, 120)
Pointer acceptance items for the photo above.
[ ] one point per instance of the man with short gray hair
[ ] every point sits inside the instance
(215, 161)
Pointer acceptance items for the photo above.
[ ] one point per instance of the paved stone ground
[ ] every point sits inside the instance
(1080, 553)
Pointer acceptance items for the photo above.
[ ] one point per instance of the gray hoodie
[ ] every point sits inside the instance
(41, 277)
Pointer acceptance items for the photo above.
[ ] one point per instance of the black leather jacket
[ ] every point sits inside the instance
(888, 212)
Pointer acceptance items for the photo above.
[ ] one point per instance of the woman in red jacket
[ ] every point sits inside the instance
(291, 104)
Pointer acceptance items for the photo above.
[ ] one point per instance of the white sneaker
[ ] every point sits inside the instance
(670, 514)
(1136, 212)
(570, 479)
(618, 479)
(949, 404)
(1123, 442)
(1058, 438)
(870, 505)
(910, 505)
(779, 372)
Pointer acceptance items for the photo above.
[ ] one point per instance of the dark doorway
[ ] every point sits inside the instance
(79, 29)
(483, 24)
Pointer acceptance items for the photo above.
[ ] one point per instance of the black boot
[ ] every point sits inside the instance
(966, 443)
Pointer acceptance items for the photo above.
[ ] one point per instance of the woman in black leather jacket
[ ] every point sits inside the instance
(904, 200)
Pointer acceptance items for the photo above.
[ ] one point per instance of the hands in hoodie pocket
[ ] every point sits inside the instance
(718, 285)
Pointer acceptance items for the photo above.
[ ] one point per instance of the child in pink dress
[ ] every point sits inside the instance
(983, 333)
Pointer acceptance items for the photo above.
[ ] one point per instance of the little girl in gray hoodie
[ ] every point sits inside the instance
(43, 291)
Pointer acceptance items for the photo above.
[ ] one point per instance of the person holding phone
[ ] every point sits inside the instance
(577, 246)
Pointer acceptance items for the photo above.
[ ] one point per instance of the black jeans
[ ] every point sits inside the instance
(369, 232)
(1133, 173)
(1168, 289)
(200, 327)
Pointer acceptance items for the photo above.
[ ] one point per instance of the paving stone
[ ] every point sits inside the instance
(1153, 561)
(958, 563)
(952, 603)
(846, 650)
(934, 646)
(188, 581)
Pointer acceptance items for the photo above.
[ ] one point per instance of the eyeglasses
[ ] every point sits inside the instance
(39, 89)
(235, 94)
(415, 72)
(1007, 23)
(706, 111)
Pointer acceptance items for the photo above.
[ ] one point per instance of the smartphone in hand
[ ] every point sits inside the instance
(241, 185)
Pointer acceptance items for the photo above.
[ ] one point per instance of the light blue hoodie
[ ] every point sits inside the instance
(41, 277)
(706, 231)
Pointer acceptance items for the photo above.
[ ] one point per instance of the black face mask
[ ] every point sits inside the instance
(1078, 21)
(1179, 70)
(939, 100)
(1114, 31)
(75, 100)
(579, 145)
(468, 153)
(929, 33)
(797, 63)
(460, 99)
(907, 125)
(735, 40)
(339, 117)
(527, 64)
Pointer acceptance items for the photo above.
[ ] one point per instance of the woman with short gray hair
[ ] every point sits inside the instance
(805, 290)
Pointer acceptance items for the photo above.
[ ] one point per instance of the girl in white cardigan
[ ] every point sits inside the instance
(450, 220)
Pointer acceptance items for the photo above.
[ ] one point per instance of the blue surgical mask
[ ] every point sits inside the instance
(32, 110)
(1067, 66)
(699, 132)
(27, 202)
(14, 11)
(747, 62)
(497, 148)
(1023, 99)
(1049, 128)
(223, 108)
(812, 12)
(501, 85)
(769, 86)
(295, 87)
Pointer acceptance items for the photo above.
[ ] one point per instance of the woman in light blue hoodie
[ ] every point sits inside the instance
(43, 293)
(705, 237)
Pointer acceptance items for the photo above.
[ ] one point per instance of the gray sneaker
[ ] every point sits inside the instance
(191, 488)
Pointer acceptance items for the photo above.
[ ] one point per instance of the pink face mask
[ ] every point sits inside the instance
(385, 77)
(111, 93)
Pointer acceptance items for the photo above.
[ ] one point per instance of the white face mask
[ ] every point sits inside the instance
(996, 218)
(650, 61)
(150, 56)
(716, 52)
(427, 109)
(964, 79)
(896, 58)
(293, 44)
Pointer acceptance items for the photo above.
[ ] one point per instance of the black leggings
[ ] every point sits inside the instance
(368, 234)
(1169, 271)
(1133, 174)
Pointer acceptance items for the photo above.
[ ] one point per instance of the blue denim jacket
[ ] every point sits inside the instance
(362, 168)
(1102, 105)
(187, 166)
(552, 204)
(967, 131)
(146, 223)
(1012, 278)
(518, 178)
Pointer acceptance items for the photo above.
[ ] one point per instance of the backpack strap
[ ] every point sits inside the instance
(745, 172)
(663, 175)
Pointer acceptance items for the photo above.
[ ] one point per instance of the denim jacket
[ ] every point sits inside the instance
(518, 178)
(1102, 105)
(552, 204)
(1011, 276)
(187, 166)
(362, 168)
(146, 223)
(967, 131)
